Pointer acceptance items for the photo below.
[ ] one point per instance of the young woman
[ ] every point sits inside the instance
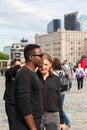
(57, 69)
(79, 76)
(52, 118)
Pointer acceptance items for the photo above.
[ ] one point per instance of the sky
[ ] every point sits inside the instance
(25, 18)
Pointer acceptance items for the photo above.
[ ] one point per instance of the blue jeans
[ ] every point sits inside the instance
(66, 119)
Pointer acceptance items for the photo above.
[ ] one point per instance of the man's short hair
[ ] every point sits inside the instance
(29, 50)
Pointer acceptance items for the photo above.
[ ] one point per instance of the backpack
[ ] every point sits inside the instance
(79, 74)
(63, 81)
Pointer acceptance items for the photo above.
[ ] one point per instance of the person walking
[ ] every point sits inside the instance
(52, 118)
(2, 71)
(80, 76)
(68, 70)
(86, 72)
(9, 91)
(57, 69)
(28, 99)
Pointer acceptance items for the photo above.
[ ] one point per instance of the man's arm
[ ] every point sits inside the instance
(11, 72)
(23, 99)
(30, 122)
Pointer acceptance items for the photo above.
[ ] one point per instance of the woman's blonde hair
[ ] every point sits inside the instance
(48, 57)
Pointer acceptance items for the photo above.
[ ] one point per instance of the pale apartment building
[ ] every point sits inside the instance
(64, 44)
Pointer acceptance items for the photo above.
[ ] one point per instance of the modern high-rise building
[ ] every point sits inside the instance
(71, 21)
(54, 25)
(7, 50)
(83, 22)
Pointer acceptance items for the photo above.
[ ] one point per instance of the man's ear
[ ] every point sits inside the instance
(30, 57)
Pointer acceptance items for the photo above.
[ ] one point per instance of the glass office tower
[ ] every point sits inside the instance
(83, 22)
(54, 25)
(71, 21)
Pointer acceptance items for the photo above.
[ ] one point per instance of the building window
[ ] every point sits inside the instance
(58, 48)
(71, 48)
(17, 46)
(47, 45)
(54, 49)
(55, 44)
(46, 50)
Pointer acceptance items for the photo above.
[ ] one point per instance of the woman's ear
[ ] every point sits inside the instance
(50, 66)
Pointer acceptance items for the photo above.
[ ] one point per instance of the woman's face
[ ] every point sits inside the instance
(79, 65)
(46, 66)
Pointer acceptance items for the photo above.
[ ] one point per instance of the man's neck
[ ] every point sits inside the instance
(30, 66)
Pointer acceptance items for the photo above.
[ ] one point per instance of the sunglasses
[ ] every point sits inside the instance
(40, 55)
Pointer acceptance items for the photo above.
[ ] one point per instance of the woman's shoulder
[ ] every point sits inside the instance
(82, 69)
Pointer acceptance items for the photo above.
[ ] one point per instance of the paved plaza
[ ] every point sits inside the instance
(75, 106)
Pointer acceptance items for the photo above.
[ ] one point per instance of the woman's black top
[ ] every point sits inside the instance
(51, 94)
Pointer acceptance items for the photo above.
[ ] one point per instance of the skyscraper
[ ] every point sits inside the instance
(83, 22)
(54, 25)
(71, 21)
(7, 50)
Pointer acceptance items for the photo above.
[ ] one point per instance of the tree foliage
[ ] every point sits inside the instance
(3, 56)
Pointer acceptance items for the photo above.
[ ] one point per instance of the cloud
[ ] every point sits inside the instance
(25, 18)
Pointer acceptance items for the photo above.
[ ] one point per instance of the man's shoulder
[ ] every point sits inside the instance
(24, 72)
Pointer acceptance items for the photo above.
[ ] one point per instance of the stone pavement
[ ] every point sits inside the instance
(3, 117)
(75, 106)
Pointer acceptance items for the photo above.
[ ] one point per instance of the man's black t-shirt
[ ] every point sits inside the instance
(27, 94)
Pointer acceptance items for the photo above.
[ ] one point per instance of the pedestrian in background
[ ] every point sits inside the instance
(68, 70)
(86, 72)
(2, 71)
(80, 76)
(52, 118)
(28, 97)
(57, 69)
(9, 91)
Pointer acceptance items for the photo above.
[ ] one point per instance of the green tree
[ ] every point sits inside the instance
(3, 56)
